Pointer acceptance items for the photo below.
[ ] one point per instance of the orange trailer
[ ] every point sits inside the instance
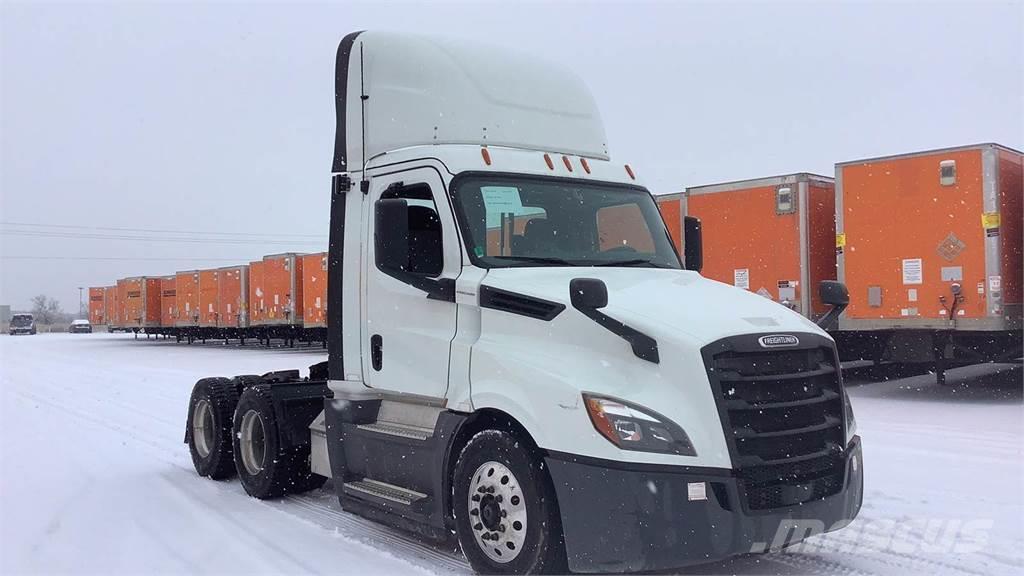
(773, 236)
(209, 304)
(673, 210)
(186, 298)
(97, 314)
(932, 240)
(257, 308)
(110, 306)
(275, 287)
(314, 290)
(139, 302)
(168, 301)
(233, 297)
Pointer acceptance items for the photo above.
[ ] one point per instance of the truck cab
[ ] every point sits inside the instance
(518, 353)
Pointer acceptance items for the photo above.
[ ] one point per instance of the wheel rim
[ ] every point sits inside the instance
(497, 512)
(203, 427)
(253, 442)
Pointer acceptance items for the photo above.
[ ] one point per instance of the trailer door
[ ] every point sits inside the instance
(406, 335)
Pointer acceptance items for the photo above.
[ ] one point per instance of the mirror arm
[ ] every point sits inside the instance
(644, 347)
(828, 321)
(442, 289)
(835, 293)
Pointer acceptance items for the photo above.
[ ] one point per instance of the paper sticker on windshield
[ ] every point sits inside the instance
(501, 199)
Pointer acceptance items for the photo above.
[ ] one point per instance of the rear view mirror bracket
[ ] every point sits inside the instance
(835, 294)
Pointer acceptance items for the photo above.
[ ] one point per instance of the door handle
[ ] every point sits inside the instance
(376, 351)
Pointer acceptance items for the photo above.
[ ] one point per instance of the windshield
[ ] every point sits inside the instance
(20, 320)
(511, 221)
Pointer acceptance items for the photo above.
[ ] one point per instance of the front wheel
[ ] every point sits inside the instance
(506, 514)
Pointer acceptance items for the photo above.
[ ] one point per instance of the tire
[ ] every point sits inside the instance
(245, 380)
(265, 469)
(521, 514)
(208, 431)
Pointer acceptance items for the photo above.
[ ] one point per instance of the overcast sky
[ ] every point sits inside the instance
(220, 117)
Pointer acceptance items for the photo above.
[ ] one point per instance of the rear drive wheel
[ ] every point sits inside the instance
(208, 432)
(266, 469)
(506, 515)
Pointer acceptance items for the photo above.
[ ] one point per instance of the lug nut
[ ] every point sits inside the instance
(501, 528)
(490, 489)
(498, 498)
(504, 513)
(481, 490)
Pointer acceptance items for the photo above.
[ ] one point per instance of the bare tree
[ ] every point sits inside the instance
(46, 310)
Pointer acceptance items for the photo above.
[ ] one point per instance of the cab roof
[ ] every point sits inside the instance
(396, 91)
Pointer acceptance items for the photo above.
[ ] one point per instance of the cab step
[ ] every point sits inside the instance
(383, 490)
(396, 429)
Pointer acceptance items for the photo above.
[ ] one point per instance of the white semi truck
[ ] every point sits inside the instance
(518, 354)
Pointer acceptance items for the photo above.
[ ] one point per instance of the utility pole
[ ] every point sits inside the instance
(81, 304)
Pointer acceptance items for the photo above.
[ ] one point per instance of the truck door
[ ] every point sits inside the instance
(412, 260)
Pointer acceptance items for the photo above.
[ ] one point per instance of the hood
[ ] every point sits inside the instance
(677, 302)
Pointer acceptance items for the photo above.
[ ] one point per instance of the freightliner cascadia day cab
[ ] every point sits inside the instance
(516, 352)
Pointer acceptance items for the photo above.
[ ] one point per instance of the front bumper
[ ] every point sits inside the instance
(631, 518)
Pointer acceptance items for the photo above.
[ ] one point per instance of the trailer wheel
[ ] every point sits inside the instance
(506, 514)
(208, 432)
(265, 469)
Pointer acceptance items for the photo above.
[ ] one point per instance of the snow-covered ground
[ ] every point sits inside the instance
(94, 477)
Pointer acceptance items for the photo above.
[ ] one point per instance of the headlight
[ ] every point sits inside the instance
(851, 422)
(633, 428)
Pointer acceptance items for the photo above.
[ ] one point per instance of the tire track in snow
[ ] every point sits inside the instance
(352, 527)
(358, 527)
(837, 545)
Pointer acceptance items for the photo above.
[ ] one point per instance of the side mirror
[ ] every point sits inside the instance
(693, 245)
(833, 293)
(391, 233)
(836, 295)
(588, 293)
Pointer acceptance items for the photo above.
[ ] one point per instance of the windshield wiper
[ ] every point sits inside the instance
(538, 260)
(633, 262)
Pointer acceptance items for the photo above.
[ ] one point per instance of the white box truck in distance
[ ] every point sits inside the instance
(516, 351)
